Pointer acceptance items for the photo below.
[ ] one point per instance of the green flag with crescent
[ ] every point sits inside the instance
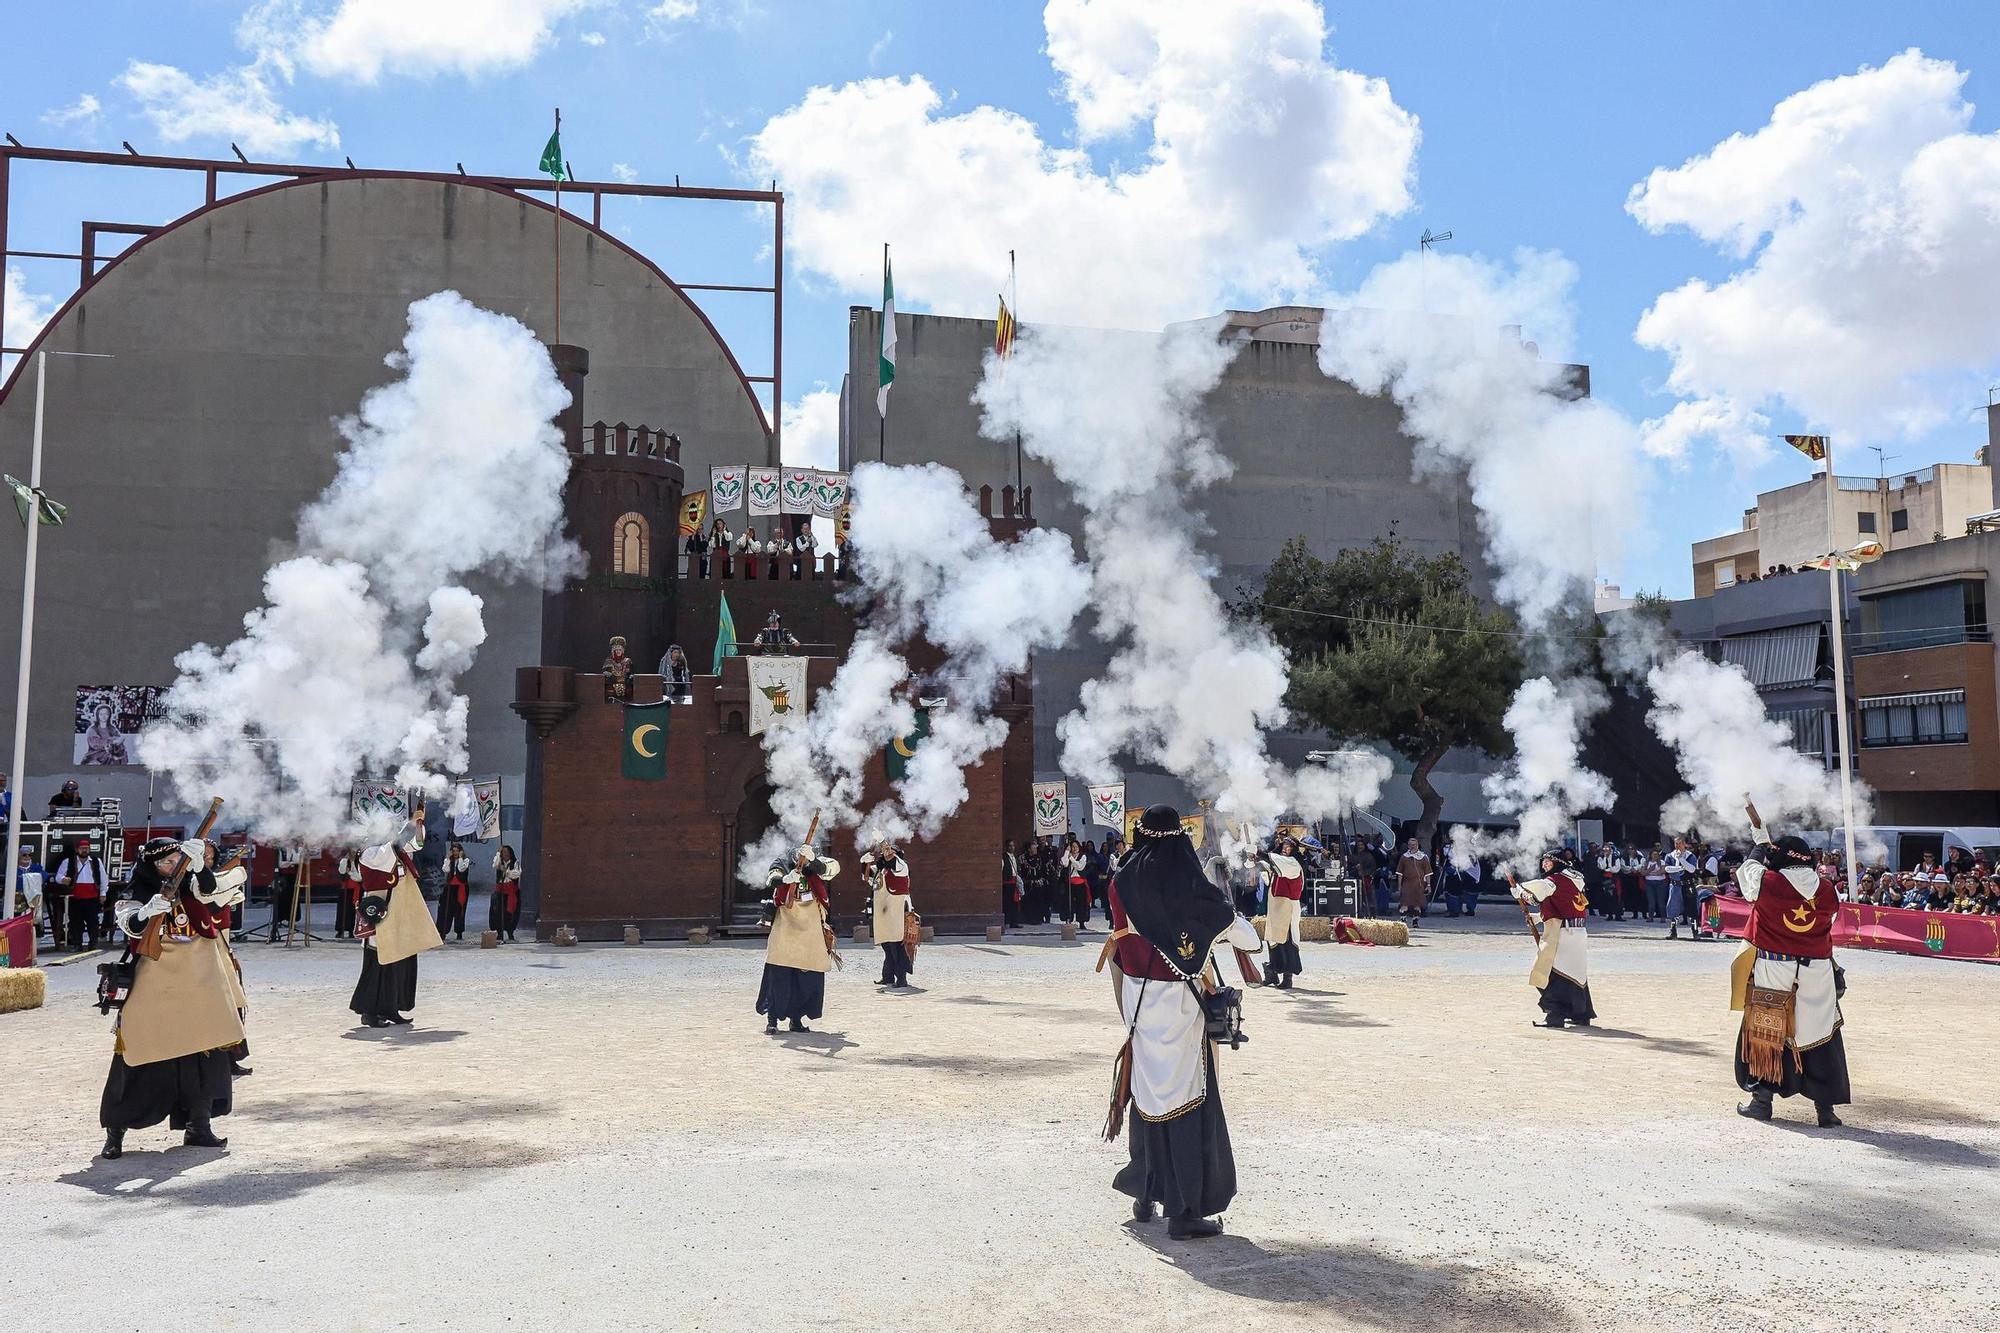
(645, 752)
(903, 748)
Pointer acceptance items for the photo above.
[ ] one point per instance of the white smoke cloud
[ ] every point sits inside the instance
(349, 666)
(932, 570)
(1117, 417)
(1869, 214)
(1545, 783)
(1260, 151)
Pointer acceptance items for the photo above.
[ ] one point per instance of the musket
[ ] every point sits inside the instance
(149, 942)
(1526, 915)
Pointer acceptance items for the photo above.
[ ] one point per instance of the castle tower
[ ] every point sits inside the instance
(623, 504)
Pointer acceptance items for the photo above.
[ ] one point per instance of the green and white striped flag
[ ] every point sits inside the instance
(887, 363)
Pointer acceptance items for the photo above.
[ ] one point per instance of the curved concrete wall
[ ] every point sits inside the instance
(239, 335)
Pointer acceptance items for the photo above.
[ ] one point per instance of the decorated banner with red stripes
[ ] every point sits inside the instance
(1897, 929)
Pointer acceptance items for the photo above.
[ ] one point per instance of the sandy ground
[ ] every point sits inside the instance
(603, 1137)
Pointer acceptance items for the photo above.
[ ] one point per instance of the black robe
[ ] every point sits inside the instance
(384, 991)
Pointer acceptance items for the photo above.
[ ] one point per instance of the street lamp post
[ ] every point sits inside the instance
(19, 770)
(1842, 739)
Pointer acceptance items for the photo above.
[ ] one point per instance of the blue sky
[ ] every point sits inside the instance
(1536, 121)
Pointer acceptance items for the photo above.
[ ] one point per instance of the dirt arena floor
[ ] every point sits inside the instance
(604, 1138)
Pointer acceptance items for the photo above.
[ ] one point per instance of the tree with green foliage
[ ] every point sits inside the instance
(1390, 645)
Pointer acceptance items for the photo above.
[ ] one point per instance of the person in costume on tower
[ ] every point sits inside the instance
(1168, 917)
(799, 951)
(1562, 963)
(395, 928)
(888, 878)
(1788, 952)
(181, 1018)
(1286, 880)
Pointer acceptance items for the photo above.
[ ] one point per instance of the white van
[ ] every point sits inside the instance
(1907, 843)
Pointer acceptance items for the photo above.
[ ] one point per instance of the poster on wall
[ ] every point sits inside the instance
(109, 719)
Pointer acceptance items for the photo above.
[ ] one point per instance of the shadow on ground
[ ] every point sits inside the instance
(996, 1066)
(1838, 1215)
(402, 1036)
(1701, 1050)
(1366, 1285)
(139, 1177)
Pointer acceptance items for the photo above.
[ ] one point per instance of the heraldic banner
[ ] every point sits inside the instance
(777, 690)
(1051, 808)
(799, 485)
(725, 490)
(764, 487)
(1107, 805)
(1896, 929)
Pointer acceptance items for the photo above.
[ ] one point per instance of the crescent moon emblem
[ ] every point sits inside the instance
(639, 741)
(901, 748)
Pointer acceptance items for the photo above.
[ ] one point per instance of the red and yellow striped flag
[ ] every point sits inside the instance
(1812, 446)
(1003, 331)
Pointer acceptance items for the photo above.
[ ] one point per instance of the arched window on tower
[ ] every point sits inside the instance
(631, 546)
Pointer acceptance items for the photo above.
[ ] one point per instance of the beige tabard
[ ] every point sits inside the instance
(182, 1003)
(798, 937)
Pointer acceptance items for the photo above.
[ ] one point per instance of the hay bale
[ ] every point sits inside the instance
(489, 939)
(1382, 930)
(22, 988)
(1312, 929)
(632, 935)
(698, 935)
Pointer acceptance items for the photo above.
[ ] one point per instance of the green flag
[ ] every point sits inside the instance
(28, 498)
(886, 363)
(725, 635)
(904, 748)
(645, 753)
(552, 158)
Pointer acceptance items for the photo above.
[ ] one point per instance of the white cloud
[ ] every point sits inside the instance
(83, 112)
(1869, 215)
(592, 39)
(673, 11)
(237, 105)
(1741, 432)
(361, 40)
(1261, 150)
(621, 171)
(26, 311)
(881, 46)
(812, 430)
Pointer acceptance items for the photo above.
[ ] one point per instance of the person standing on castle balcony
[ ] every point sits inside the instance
(805, 553)
(749, 548)
(799, 952)
(617, 672)
(721, 545)
(774, 640)
(676, 683)
(457, 888)
(888, 877)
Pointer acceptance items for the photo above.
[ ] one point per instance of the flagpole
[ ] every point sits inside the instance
(557, 230)
(18, 773)
(882, 417)
(1014, 290)
(1842, 738)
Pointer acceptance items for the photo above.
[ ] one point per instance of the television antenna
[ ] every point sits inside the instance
(1426, 243)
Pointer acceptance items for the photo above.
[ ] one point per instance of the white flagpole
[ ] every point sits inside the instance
(1842, 738)
(18, 772)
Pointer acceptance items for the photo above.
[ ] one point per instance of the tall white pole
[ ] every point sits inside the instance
(1842, 740)
(18, 771)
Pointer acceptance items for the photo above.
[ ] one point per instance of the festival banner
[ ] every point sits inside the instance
(464, 811)
(777, 690)
(486, 795)
(763, 493)
(109, 719)
(904, 748)
(725, 489)
(1895, 929)
(377, 802)
(1051, 808)
(1107, 805)
(829, 493)
(644, 755)
(841, 523)
(694, 513)
(798, 491)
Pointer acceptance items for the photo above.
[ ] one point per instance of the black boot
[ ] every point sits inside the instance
(1552, 1021)
(239, 1070)
(114, 1145)
(375, 1021)
(771, 1028)
(1758, 1107)
(798, 1025)
(1285, 981)
(1189, 1226)
(1270, 975)
(1827, 1119)
(399, 1019)
(201, 1136)
(1143, 1210)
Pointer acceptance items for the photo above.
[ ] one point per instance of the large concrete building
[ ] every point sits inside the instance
(1314, 458)
(237, 335)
